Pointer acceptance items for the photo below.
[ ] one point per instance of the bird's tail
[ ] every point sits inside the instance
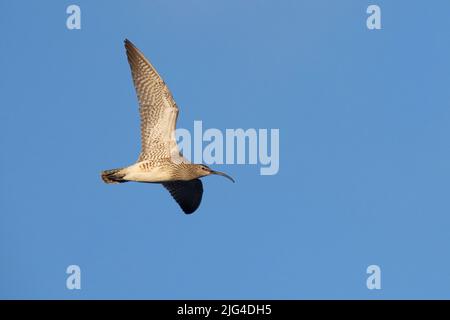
(113, 176)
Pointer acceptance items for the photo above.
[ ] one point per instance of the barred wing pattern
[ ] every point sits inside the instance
(157, 108)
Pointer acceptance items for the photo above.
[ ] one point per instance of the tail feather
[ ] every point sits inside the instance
(113, 176)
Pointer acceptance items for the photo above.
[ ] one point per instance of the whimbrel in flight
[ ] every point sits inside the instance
(160, 161)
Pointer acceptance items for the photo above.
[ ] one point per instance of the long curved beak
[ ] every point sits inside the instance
(222, 174)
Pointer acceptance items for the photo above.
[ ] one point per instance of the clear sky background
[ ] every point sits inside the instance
(364, 119)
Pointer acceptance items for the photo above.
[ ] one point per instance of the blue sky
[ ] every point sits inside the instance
(364, 150)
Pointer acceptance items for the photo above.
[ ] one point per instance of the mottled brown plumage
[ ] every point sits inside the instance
(160, 160)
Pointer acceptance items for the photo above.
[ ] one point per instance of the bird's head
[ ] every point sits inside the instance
(203, 171)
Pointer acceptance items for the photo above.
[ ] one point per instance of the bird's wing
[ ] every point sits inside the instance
(157, 108)
(188, 194)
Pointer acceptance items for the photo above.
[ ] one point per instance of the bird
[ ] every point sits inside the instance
(160, 160)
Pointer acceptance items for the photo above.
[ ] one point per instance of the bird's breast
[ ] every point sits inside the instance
(148, 172)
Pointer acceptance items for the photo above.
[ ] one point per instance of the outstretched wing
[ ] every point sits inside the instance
(157, 108)
(188, 194)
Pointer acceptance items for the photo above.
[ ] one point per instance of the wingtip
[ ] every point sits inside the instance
(127, 42)
(189, 212)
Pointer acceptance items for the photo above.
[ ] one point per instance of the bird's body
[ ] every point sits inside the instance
(156, 172)
(150, 171)
(160, 160)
